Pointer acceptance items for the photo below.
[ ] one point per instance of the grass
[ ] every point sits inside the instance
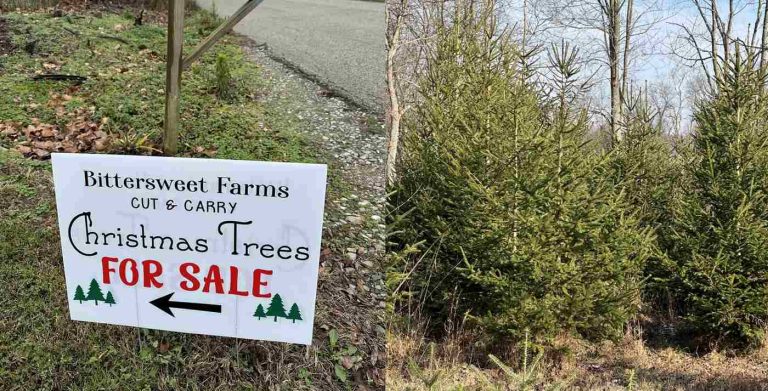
(125, 85)
(461, 360)
(40, 348)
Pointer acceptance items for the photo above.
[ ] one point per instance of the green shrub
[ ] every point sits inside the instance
(719, 243)
(225, 84)
(516, 219)
(208, 20)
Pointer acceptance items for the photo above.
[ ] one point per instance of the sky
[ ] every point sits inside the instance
(656, 55)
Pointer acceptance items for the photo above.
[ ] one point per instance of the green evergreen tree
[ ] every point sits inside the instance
(94, 292)
(645, 163)
(110, 300)
(294, 313)
(260, 312)
(719, 244)
(276, 307)
(516, 214)
(79, 295)
(648, 171)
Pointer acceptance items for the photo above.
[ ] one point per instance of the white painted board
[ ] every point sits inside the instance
(235, 243)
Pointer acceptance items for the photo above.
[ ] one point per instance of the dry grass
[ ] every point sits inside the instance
(459, 362)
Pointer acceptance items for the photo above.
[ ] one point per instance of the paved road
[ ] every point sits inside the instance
(339, 42)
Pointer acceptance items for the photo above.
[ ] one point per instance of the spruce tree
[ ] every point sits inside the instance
(79, 295)
(648, 171)
(516, 217)
(260, 312)
(294, 313)
(644, 160)
(94, 292)
(719, 245)
(110, 300)
(276, 308)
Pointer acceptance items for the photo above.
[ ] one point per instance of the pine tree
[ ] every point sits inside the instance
(110, 300)
(260, 312)
(79, 295)
(719, 245)
(276, 308)
(94, 292)
(294, 313)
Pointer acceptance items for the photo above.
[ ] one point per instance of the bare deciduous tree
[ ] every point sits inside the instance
(711, 40)
(395, 19)
(611, 34)
(410, 32)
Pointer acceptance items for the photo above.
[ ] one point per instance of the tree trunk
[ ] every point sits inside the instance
(613, 60)
(625, 67)
(764, 38)
(713, 43)
(394, 112)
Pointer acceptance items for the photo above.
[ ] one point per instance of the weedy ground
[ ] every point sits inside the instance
(460, 360)
(118, 108)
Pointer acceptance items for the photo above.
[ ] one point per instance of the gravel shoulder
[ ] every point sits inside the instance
(351, 291)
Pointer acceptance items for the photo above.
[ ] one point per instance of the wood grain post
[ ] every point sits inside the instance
(173, 76)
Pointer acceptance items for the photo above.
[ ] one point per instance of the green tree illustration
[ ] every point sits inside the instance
(294, 313)
(79, 295)
(276, 308)
(110, 300)
(94, 292)
(260, 312)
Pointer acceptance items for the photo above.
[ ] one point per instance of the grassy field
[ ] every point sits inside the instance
(118, 108)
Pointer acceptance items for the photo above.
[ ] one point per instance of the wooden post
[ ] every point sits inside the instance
(220, 31)
(175, 64)
(173, 76)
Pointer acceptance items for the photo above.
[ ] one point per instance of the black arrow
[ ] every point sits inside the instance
(165, 304)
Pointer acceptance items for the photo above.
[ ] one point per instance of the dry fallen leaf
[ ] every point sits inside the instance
(80, 134)
(9, 129)
(48, 132)
(25, 150)
(51, 66)
(42, 153)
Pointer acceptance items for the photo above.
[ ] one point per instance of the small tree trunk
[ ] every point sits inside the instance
(613, 59)
(395, 113)
(627, 48)
(764, 38)
(713, 43)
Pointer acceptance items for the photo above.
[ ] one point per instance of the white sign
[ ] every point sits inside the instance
(218, 247)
